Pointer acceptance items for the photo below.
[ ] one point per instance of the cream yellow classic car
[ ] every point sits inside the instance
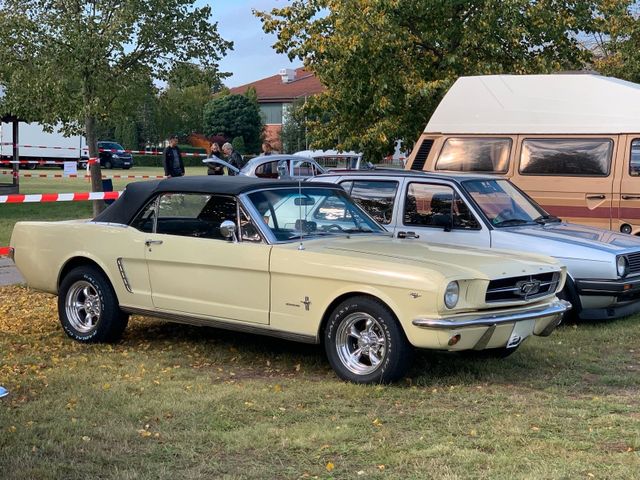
(298, 261)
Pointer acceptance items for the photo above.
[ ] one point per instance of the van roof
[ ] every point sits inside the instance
(553, 104)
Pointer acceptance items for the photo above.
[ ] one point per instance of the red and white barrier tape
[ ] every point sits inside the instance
(60, 175)
(47, 162)
(4, 251)
(59, 197)
(112, 150)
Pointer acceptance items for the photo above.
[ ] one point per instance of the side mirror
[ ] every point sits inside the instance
(228, 230)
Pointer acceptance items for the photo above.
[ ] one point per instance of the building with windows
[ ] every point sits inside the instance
(276, 93)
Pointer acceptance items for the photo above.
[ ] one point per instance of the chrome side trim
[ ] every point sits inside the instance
(123, 274)
(225, 325)
(557, 307)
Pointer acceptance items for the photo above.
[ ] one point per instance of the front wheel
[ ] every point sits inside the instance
(108, 165)
(365, 344)
(88, 307)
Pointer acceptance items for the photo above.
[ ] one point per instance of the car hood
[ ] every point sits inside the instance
(459, 262)
(573, 236)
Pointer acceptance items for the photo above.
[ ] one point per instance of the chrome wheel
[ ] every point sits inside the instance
(361, 343)
(83, 306)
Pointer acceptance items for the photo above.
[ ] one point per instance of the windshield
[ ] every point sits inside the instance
(110, 146)
(504, 205)
(291, 213)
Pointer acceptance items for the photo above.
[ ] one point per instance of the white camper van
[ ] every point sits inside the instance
(37, 145)
(572, 142)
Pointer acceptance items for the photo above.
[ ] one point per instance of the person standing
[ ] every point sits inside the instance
(233, 157)
(212, 168)
(173, 164)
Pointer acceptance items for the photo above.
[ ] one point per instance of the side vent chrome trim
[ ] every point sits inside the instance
(125, 280)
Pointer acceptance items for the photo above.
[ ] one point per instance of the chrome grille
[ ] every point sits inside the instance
(634, 263)
(527, 287)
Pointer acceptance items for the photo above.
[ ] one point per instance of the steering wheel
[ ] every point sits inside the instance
(333, 226)
(506, 214)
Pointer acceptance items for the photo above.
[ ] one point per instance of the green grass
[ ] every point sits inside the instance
(173, 401)
(12, 213)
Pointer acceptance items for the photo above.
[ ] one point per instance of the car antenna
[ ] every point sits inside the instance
(301, 246)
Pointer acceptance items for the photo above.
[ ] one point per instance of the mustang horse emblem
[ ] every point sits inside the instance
(526, 288)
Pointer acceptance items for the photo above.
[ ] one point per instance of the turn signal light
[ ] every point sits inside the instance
(453, 340)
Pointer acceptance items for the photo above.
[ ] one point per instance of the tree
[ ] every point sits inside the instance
(67, 62)
(235, 116)
(615, 39)
(386, 64)
(294, 135)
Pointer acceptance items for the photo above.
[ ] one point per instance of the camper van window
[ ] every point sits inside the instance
(475, 155)
(589, 157)
(634, 164)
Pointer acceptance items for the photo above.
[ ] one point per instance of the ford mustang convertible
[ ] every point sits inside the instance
(298, 261)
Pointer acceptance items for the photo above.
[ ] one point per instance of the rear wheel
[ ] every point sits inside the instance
(88, 307)
(365, 344)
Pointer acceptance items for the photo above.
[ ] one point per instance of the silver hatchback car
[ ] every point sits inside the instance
(483, 211)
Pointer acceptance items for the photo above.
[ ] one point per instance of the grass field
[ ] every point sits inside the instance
(173, 401)
(12, 213)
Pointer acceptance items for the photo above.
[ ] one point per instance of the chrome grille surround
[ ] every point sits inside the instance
(526, 287)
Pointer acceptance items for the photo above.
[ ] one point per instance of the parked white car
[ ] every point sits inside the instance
(483, 211)
(273, 166)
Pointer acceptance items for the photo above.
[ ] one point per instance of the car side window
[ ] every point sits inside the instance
(438, 206)
(194, 215)
(144, 221)
(267, 170)
(376, 197)
(634, 161)
(304, 169)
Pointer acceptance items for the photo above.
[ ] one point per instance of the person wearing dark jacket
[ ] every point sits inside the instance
(233, 157)
(173, 164)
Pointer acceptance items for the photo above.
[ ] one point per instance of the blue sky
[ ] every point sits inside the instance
(252, 57)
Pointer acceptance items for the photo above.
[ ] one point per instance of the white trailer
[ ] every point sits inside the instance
(34, 144)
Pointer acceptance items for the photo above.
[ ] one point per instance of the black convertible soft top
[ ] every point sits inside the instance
(136, 194)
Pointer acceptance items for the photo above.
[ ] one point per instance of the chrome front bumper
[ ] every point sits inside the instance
(551, 314)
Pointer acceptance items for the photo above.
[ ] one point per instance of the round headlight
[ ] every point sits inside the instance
(452, 294)
(621, 265)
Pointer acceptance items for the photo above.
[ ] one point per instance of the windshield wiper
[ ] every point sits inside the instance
(511, 221)
(543, 219)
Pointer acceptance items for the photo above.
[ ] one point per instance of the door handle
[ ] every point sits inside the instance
(596, 197)
(148, 243)
(408, 235)
(630, 197)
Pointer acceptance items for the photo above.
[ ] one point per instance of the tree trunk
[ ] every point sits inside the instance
(94, 166)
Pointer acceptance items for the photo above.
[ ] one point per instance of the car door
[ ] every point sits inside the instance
(438, 213)
(629, 211)
(193, 269)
